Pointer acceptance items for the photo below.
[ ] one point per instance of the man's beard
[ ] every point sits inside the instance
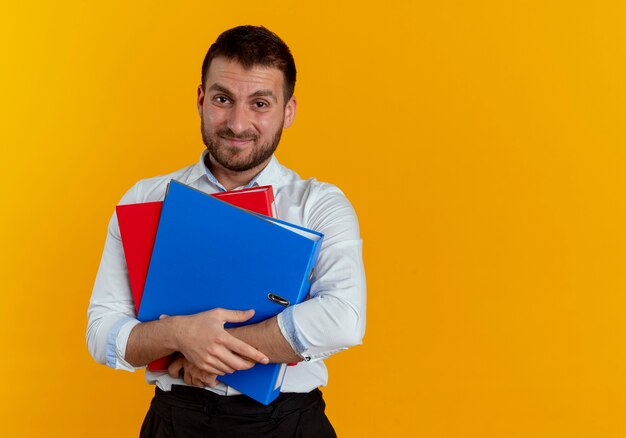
(226, 156)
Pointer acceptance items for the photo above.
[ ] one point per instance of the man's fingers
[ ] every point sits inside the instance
(197, 377)
(212, 349)
(236, 362)
(208, 379)
(224, 361)
(211, 381)
(191, 375)
(217, 367)
(235, 315)
(245, 351)
(238, 346)
(175, 367)
(197, 382)
(187, 378)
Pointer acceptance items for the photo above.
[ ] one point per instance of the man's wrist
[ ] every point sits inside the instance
(172, 329)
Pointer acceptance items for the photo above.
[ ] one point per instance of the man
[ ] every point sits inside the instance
(244, 101)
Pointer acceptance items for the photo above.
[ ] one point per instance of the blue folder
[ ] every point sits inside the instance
(209, 254)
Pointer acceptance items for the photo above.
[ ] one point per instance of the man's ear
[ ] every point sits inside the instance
(200, 100)
(290, 112)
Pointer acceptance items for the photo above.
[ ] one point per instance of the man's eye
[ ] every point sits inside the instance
(260, 104)
(221, 99)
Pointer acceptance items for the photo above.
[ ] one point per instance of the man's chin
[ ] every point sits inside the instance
(240, 160)
(235, 165)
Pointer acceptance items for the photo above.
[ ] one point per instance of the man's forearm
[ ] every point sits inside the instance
(201, 338)
(152, 340)
(266, 337)
(149, 341)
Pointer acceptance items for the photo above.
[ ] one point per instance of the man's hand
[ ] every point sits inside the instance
(201, 338)
(191, 374)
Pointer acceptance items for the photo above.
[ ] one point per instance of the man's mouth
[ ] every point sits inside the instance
(236, 141)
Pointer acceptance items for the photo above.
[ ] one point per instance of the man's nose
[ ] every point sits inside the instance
(238, 119)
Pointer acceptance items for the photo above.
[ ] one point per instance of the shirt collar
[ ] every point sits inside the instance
(268, 176)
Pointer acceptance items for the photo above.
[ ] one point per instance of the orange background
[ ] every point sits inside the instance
(482, 144)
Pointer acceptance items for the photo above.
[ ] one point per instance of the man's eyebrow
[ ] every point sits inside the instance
(220, 88)
(265, 93)
(259, 93)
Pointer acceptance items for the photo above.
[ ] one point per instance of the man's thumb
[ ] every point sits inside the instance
(238, 315)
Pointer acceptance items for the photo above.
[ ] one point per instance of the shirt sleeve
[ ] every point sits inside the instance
(333, 318)
(111, 313)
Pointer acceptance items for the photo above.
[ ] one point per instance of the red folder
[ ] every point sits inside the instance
(138, 227)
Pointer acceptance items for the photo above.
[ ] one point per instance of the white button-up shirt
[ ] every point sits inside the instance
(330, 320)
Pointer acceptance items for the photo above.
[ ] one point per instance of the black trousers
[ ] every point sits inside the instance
(194, 412)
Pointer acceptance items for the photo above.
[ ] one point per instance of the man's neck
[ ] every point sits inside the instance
(231, 179)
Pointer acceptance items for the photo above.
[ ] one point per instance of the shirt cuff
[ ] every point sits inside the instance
(287, 327)
(116, 344)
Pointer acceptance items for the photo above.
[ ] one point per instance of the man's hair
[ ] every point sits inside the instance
(251, 46)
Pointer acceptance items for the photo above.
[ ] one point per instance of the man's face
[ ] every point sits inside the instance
(243, 113)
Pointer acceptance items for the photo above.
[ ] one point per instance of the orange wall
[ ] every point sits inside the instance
(482, 144)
